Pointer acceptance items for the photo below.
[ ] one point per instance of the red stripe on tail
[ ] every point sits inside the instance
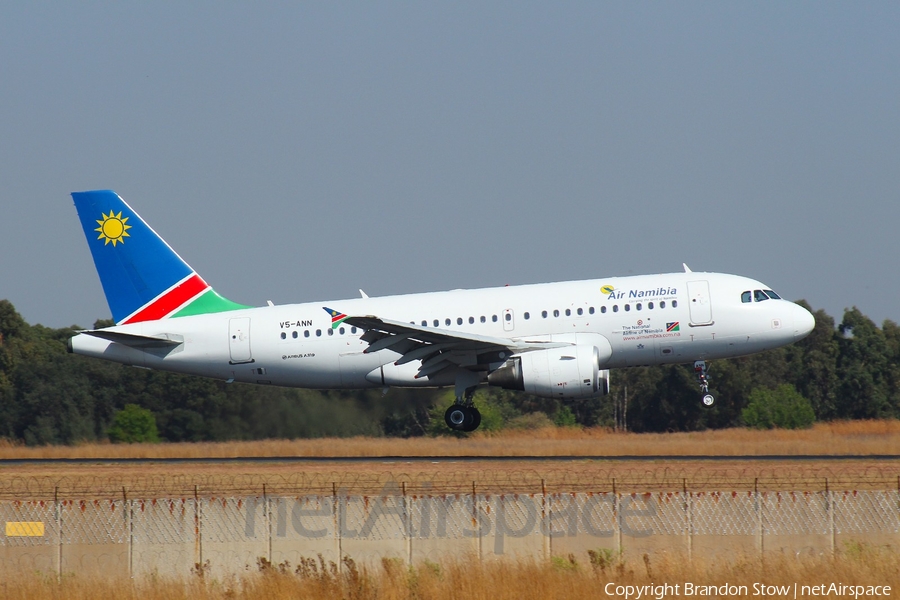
(165, 304)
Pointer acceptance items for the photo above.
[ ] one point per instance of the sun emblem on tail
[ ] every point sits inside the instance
(113, 228)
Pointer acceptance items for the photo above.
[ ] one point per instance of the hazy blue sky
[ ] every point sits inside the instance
(299, 151)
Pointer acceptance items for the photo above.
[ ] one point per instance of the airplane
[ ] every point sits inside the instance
(553, 340)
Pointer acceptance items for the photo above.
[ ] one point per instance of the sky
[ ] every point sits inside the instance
(298, 152)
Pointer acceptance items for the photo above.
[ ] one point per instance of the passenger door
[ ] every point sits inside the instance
(239, 340)
(700, 308)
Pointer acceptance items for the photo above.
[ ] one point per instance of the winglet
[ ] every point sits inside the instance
(336, 317)
(687, 269)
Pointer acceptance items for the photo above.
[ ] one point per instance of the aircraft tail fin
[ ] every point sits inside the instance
(142, 277)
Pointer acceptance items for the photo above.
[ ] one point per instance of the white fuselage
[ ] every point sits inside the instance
(648, 320)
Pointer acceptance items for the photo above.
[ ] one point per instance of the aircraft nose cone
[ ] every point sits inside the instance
(804, 322)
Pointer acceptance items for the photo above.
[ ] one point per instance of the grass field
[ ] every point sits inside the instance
(444, 474)
(840, 437)
(562, 577)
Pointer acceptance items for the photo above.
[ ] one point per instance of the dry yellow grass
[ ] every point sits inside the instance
(445, 474)
(497, 580)
(842, 437)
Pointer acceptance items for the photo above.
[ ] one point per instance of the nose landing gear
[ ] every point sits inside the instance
(700, 371)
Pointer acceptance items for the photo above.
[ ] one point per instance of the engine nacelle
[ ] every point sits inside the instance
(570, 372)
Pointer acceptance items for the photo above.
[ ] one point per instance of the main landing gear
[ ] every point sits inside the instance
(700, 371)
(462, 414)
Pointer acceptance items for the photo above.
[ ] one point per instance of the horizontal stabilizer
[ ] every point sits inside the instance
(166, 340)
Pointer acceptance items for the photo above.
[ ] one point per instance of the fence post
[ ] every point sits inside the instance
(198, 533)
(407, 525)
(617, 517)
(128, 516)
(475, 521)
(546, 521)
(267, 516)
(759, 517)
(829, 508)
(59, 532)
(338, 526)
(689, 519)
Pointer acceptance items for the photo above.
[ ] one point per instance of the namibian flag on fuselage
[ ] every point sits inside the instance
(336, 317)
(142, 277)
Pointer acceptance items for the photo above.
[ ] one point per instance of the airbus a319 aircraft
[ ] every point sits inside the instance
(555, 340)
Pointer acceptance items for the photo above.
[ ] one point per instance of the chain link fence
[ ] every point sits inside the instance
(187, 529)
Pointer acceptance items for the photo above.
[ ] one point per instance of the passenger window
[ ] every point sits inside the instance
(568, 312)
(294, 335)
(483, 320)
(318, 333)
(603, 309)
(508, 317)
(353, 330)
(447, 322)
(527, 316)
(424, 323)
(591, 310)
(471, 320)
(649, 306)
(627, 307)
(341, 331)
(459, 320)
(494, 318)
(306, 333)
(638, 306)
(615, 308)
(759, 295)
(331, 332)
(555, 313)
(662, 303)
(436, 323)
(544, 313)
(772, 295)
(283, 335)
(580, 311)
(674, 303)
(747, 296)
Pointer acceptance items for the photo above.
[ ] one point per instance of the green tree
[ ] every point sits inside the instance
(133, 424)
(817, 378)
(862, 367)
(564, 417)
(782, 407)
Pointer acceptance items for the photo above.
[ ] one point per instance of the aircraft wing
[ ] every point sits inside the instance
(439, 348)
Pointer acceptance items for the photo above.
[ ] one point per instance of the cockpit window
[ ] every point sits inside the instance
(759, 295)
(772, 295)
(747, 296)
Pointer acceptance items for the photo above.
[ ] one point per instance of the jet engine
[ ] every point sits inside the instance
(569, 373)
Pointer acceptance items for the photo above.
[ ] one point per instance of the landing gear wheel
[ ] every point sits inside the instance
(708, 399)
(457, 417)
(476, 419)
(460, 417)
